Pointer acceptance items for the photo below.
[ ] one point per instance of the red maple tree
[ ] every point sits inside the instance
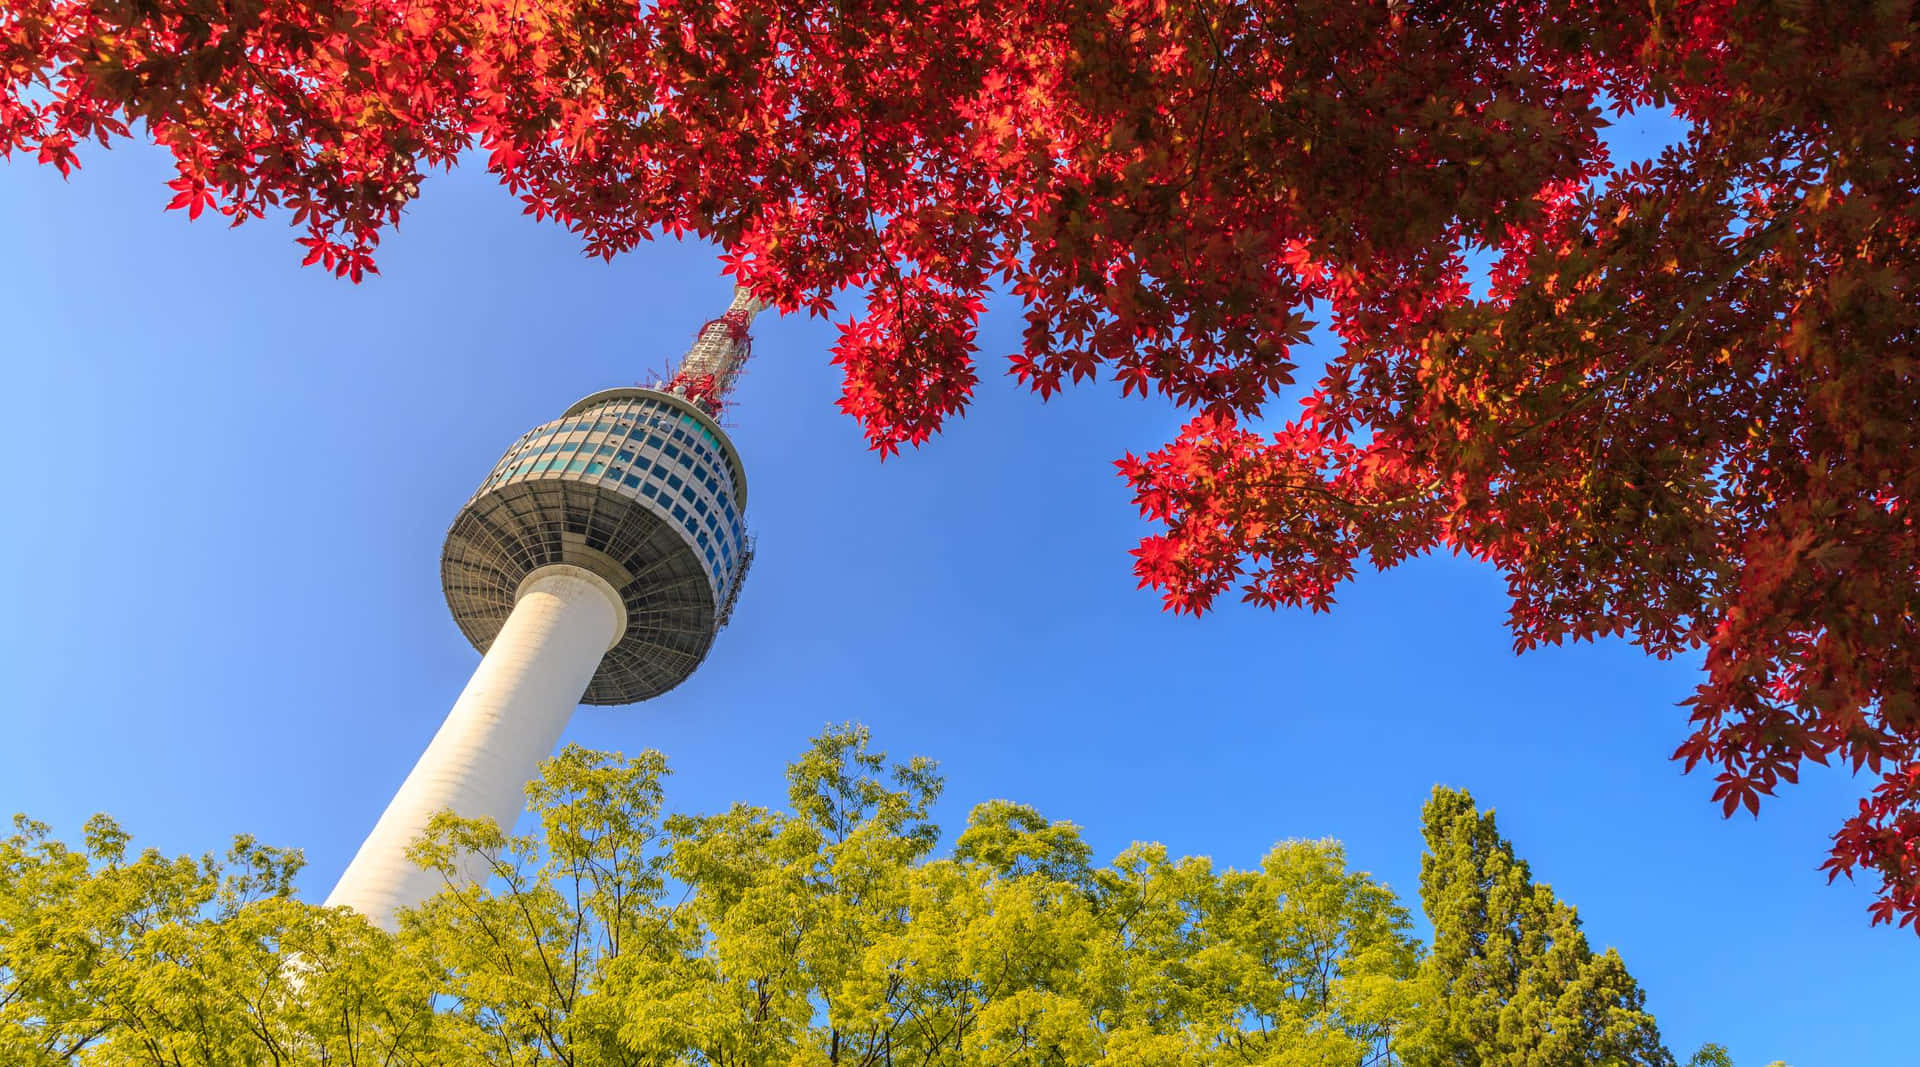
(1684, 414)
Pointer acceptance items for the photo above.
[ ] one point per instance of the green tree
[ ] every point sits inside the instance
(112, 959)
(1713, 1054)
(826, 932)
(1710, 1054)
(1510, 979)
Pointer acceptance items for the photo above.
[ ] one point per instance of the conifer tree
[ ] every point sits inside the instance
(1511, 980)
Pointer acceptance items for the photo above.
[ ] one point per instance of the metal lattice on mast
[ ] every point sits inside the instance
(711, 367)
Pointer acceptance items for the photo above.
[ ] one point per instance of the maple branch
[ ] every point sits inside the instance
(1206, 105)
(1318, 487)
(1753, 249)
(866, 185)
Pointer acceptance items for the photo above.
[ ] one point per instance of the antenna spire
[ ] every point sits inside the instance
(718, 355)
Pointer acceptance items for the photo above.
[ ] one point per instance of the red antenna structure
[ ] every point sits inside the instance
(718, 356)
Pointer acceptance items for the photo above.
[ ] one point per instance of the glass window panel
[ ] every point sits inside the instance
(633, 481)
(576, 464)
(648, 489)
(596, 468)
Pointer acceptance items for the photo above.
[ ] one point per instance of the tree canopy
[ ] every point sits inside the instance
(1683, 411)
(832, 931)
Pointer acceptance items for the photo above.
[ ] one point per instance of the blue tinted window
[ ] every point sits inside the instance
(576, 464)
(673, 481)
(680, 513)
(606, 450)
(648, 489)
(569, 446)
(596, 468)
(700, 506)
(625, 456)
(632, 480)
(603, 426)
(672, 452)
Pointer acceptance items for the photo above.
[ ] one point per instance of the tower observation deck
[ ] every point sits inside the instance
(595, 564)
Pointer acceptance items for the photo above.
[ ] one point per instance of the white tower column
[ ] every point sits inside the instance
(508, 719)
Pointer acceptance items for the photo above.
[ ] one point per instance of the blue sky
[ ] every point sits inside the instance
(233, 477)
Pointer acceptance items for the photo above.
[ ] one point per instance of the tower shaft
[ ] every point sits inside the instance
(507, 719)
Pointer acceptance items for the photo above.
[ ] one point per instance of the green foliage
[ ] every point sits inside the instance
(1710, 1055)
(1715, 1055)
(111, 960)
(826, 933)
(1510, 979)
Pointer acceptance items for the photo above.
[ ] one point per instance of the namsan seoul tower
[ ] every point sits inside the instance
(594, 565)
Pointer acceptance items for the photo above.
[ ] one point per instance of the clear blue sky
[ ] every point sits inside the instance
(232, 477)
